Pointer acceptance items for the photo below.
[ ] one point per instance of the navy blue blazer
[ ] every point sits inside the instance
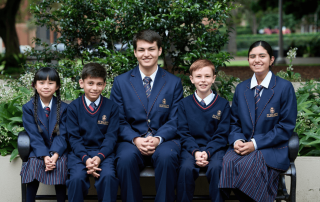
(276, 120)
(42, 144)
(137, 115)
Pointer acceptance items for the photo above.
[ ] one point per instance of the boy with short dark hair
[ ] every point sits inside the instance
(203, 126)
(92, 125)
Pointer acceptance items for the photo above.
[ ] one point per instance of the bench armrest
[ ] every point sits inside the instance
(293, 146)
(24, 146)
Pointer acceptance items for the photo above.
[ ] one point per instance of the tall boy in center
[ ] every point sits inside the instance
(148, 99)
(203, 125)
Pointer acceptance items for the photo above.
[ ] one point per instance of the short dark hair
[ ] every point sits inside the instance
(147, 35)
(200, 63)
(95, 70)
(264, 44)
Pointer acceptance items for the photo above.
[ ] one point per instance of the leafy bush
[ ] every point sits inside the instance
(289, 74)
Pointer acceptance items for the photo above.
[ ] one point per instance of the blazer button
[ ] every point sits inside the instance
(149, 120)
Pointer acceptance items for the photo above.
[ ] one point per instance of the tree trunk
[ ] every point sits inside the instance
(8, 27)
(232, 44)
(254, 24)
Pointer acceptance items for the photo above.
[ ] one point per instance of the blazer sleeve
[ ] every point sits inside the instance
(282, 131)
(110, 139)
(59, 143)
(73, 130)
(219, 139)
(126, 132)
(187, 141)
(168, 131)
(236, 132)
(36, 139)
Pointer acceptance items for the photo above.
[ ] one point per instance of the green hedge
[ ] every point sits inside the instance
(244, 41)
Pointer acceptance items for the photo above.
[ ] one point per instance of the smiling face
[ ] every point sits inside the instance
(46, 88)
(93, 87)
(203, 79)
(147, 54)
(259, 61)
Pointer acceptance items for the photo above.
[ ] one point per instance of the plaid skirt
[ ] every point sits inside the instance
(249, 174)
(34, 169)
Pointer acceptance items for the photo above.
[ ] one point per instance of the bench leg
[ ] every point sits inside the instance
(293, 183)
(23, 192)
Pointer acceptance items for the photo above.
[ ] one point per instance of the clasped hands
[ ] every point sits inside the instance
(201, 158)
(50, 162)
(243, 148)
(92, 164)
(147, 146)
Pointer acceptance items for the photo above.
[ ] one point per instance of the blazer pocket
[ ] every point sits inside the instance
(164, 103)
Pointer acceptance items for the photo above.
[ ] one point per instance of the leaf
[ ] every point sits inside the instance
(3, 152)
(302, 98)
(14, 154)
(16, 119)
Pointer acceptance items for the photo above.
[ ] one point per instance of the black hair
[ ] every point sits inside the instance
(147, 35)
(44, 74)
(265, 45)
(95, 70)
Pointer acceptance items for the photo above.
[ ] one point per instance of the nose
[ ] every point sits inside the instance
(146, 53)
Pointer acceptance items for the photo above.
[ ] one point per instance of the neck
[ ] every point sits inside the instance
(203, 95)
(46, 101)
(260, 77)
(148, 71)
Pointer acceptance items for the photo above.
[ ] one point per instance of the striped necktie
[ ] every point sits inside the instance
(147, 86)
(203, 103)
(257, 99)
(92, 106)
(47, 111)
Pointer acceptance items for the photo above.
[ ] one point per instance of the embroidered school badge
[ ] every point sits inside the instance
(272, 113)
(218, 116)
(104, 120)
(164, 104)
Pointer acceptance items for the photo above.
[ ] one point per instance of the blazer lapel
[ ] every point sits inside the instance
(137, 85)
(157, 87)
(42, 117)
(249, 96)
(267, 95)
(53, 116)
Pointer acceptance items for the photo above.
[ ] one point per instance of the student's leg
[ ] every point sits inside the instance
(61, 192)
(129, 162)
(32, 189)
(166, 164)
(107, 184)
(188, 173)
(78, 182)
(213, 175)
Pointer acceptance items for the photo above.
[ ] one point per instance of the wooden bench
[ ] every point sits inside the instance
(148, 172)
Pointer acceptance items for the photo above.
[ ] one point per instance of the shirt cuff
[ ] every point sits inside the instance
(161, 140)
(254, 144)
(238, 140)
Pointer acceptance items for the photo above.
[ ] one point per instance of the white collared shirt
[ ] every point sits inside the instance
(152, 76)
(43, 106)
(88, 102)
(207, 99)
(265, 83)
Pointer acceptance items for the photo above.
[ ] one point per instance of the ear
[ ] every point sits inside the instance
(81, 83)
(57, 88)
(214, 78)
(160, 51)
(135, 52)
(191, 79)
(271, 60)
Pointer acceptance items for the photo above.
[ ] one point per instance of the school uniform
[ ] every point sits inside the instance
(202, 127)
(45, 143)
(269, 127)
(141, 116)
(92, 132)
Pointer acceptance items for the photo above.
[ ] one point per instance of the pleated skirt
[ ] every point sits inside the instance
(249, 174)
(34, 169)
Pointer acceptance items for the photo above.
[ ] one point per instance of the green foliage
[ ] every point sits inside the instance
(83, 25)
(308, 120)
(227, 85)
(289, 74)
(271, 21)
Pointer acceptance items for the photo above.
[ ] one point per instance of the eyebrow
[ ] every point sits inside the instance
(259, 54)
(147, 48)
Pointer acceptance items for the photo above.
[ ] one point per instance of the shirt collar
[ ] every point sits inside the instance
(153, 76)
(50, 104)
(265, 83)
(88, 102)
(207, 99)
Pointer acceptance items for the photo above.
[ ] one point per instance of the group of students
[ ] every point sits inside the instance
(147, 121)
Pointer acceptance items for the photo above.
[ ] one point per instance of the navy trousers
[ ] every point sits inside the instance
(130, 162)
(78, 180)
(189, 172)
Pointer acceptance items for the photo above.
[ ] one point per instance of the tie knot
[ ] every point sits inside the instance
(47, 109)
(147, 80)
(92, 106)
(259, 87)
(203, 103)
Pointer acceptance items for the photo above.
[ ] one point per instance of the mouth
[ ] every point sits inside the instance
(146, 59)
(203, 85)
